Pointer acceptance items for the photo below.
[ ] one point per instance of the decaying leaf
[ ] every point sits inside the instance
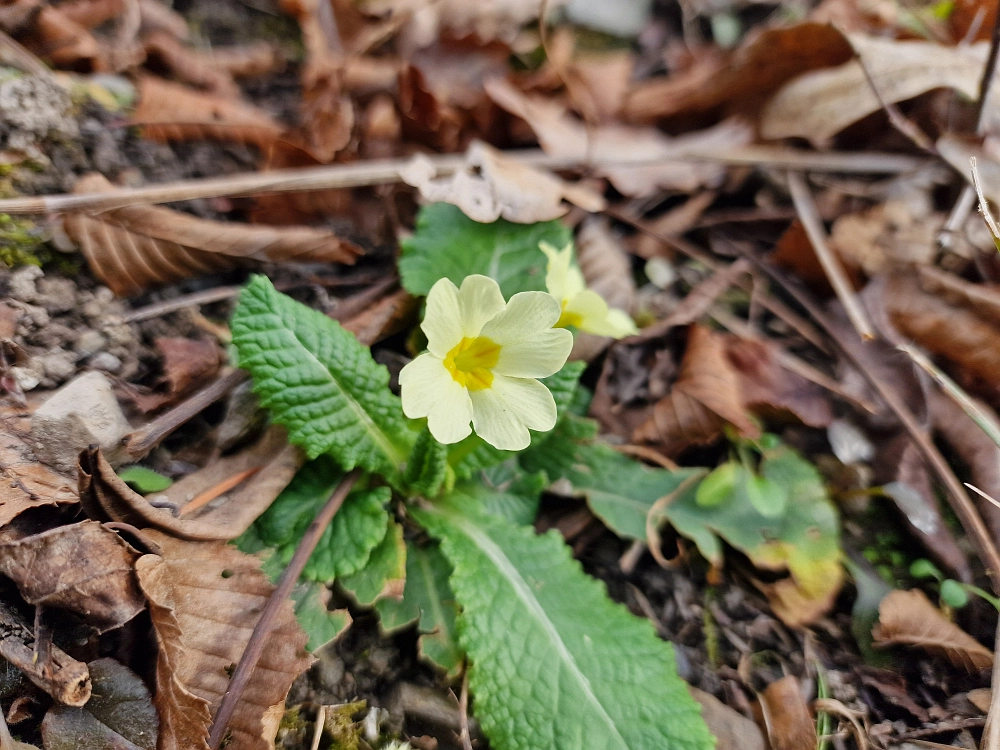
(820, 104)
(560, 134)
(186, 364)
(789, 724)
(65, 42)
(82, 567)
(205, 598)
(26, 483)
(489, 185)
(120, 714)
(189, 65)
(983, 299)
(908, 618)
(172, 112)
(387, 316)
(705, 396)
(138, 246)
(885, 235)
(731, 729)
(106, 496)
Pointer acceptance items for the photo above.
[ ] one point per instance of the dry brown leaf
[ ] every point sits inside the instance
(955, 333)
(384, 318)
(908, 618)
(731, 729)
(186, 364)
(489, 186)
(820, 104)
(885, 235)
(157, 15)
(983, 299)
(105, 496)
(65, 42)
(169, 111)
(24, 482)
(559, 134)
(82, 567)
(189, 65)
(205, 598)
(764, 62)
(789, 724)
(705, 396)
(92, 13)
(599, 83)
(979, 453)
(770, 390)
(138, 246)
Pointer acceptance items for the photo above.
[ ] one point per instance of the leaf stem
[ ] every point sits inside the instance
(258, 639)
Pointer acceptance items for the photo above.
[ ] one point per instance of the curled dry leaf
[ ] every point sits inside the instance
(560, 134)
(820, 104)
(489, 186)
(138, 246)
(26, 483)
(68, 44)
(189, 65)
(82, 567)
(789, 724)
(187, 364)
(885, 235)
(908, 618)
(172, 112)
(105, 496)
(205, 598)
(706, 395)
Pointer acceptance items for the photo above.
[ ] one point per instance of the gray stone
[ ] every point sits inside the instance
(90, 342)
(81, 413)
(55, 294)
(22, 283)
(105, 361)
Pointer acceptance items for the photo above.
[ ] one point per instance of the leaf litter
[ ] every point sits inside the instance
(754, 569)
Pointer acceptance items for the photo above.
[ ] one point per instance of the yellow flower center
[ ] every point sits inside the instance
(568, 319)
(471, 362)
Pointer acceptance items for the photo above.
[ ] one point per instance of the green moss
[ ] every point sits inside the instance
(21, 244)
(340, 725)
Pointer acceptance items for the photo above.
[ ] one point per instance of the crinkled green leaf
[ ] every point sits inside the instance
(555, 663)
(385, 573)
(427, 597)
(448, 244)
(347, 542)
(319, 381)
(144, 480)
(314, 616)
(427, 471)
(473, 454)
(505, 491)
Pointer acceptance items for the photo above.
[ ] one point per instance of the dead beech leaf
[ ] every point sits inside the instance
(82, 567)
(705, 396)
(205, 598)
(387, 316)
(136, 247)
(731, 729)
(820, 104)
(983, 299)
(26, 483)
(189, 65)
(489, 186)
(187, 364)
(104, 495)
(172, 112)
(956, 333)
(769, 389)
(68, 44)
(559, 134)
(885, 235)
(120, 714)
(789, 724)
(908, 618)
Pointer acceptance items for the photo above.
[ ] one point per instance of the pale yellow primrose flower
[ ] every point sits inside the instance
(482, 362)
(582, 308)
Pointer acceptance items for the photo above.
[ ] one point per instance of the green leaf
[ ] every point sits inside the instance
(144, 480)
(718, 485)
(427, 470)
(953, 594)
(619, 490)
(319, 381)
(473, 454)
(314, 616)
(505, 491)
(448, 244)
(359, 526)
(385, 573)
(555, 663)
(923, 568)
(427, 597)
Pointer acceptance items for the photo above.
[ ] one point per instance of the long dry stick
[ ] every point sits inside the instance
(805, 206)
(383, 171)
(258, 639)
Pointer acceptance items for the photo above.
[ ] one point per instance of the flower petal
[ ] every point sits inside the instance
(526, 315)
(621, 322)
(539, 356)
(442, 319)
(557, 269)
(428, 390)
(596, 318)
(503, 413)
(479, 300)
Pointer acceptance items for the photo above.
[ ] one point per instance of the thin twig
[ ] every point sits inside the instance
(157, 309)
(14, 54)
(958, 216)
(805, 206)
(986, 82)
(957, 497)
(142, 441)
(259, 638)
(463, 712)
(386, 171)
(896, 118)
(318, 731)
